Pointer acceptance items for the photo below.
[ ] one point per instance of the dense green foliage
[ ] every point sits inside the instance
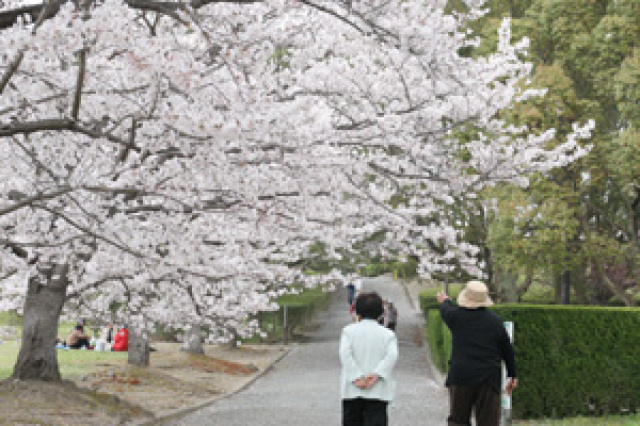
(571, 360)
(575, 360)
(581, 223)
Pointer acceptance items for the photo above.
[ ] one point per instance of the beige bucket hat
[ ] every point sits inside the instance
(474, 295)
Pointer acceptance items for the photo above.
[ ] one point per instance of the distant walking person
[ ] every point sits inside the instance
(351, 292)
(391, 317)
(352, 309)
(480, 343)
(368, 353)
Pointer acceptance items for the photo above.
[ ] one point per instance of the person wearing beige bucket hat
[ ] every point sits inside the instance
(475, 295)
(479, 345)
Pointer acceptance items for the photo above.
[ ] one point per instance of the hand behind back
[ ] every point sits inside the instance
(366, 382)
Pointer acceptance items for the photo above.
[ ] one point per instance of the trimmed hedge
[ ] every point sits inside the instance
(571, 360)
(428, 298)
(439, 339)
(301, 308)
(375, 269)
(575, 360)
(438, 335)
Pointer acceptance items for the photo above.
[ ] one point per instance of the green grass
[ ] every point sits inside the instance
(540, 294)
(9, 318)
(306, 297)
(72, 362)
(8, 356)
(630, 420)
(64, 327)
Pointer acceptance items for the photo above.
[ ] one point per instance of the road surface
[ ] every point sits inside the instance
(303, 388)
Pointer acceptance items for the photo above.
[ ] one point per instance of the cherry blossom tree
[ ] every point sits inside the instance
(175, 159)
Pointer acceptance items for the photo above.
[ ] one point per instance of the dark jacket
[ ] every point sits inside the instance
(480, 343)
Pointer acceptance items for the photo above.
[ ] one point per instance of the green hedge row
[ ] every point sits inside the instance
(571, 360)
(375, 269)
(575, 360)
(301, 309)
(437, 333)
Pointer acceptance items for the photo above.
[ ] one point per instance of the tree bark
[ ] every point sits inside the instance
(524, 287)
(38, 359)
(138, 349)
(565, 288)
(507, 291)
(627, 299)
(233, 343)
(193, 341)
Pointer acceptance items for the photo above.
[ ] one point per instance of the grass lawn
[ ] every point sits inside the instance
(72, 362)
(631, 420)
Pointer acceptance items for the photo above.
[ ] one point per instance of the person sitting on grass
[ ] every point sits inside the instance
(121, 340)
(78, 339)
(107, 334)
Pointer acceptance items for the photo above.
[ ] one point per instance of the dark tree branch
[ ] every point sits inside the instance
(11, 69)
(28, 201)
(35, 11)
(333, 13)
(391, 173)
(96, 284)
(75, 110)
(16, 248)
(88, 231)
(10, 17)
(59, 124)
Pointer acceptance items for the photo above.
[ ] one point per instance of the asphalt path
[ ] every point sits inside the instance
(303, 389)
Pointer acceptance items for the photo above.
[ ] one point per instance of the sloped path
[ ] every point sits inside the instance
(303, 388)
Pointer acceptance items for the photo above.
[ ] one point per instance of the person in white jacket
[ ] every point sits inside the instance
(368, 353)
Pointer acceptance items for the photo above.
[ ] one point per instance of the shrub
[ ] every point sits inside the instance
(301, 309)
(439, 340)
(571, 360)
(428, 298)
(438, 335)
(575, 360)
(406, 269)
(375, 269)
(539, 295)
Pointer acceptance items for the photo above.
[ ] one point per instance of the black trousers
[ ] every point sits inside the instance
(364, 412)
(483, 399)
(80, 343)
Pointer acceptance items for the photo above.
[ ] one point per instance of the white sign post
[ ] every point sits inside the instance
(505, 400)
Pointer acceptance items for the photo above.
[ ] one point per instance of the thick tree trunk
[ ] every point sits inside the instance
(508, 292)
(138, 349)
(38, 358)
(233, 343)
(193, 341)
(524, 287)
(627, 299)
(488, 260)
(565, 288)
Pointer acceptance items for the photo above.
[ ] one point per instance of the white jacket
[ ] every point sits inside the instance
(368, 348)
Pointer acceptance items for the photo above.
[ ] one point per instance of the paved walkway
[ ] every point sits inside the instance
(303, 388)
